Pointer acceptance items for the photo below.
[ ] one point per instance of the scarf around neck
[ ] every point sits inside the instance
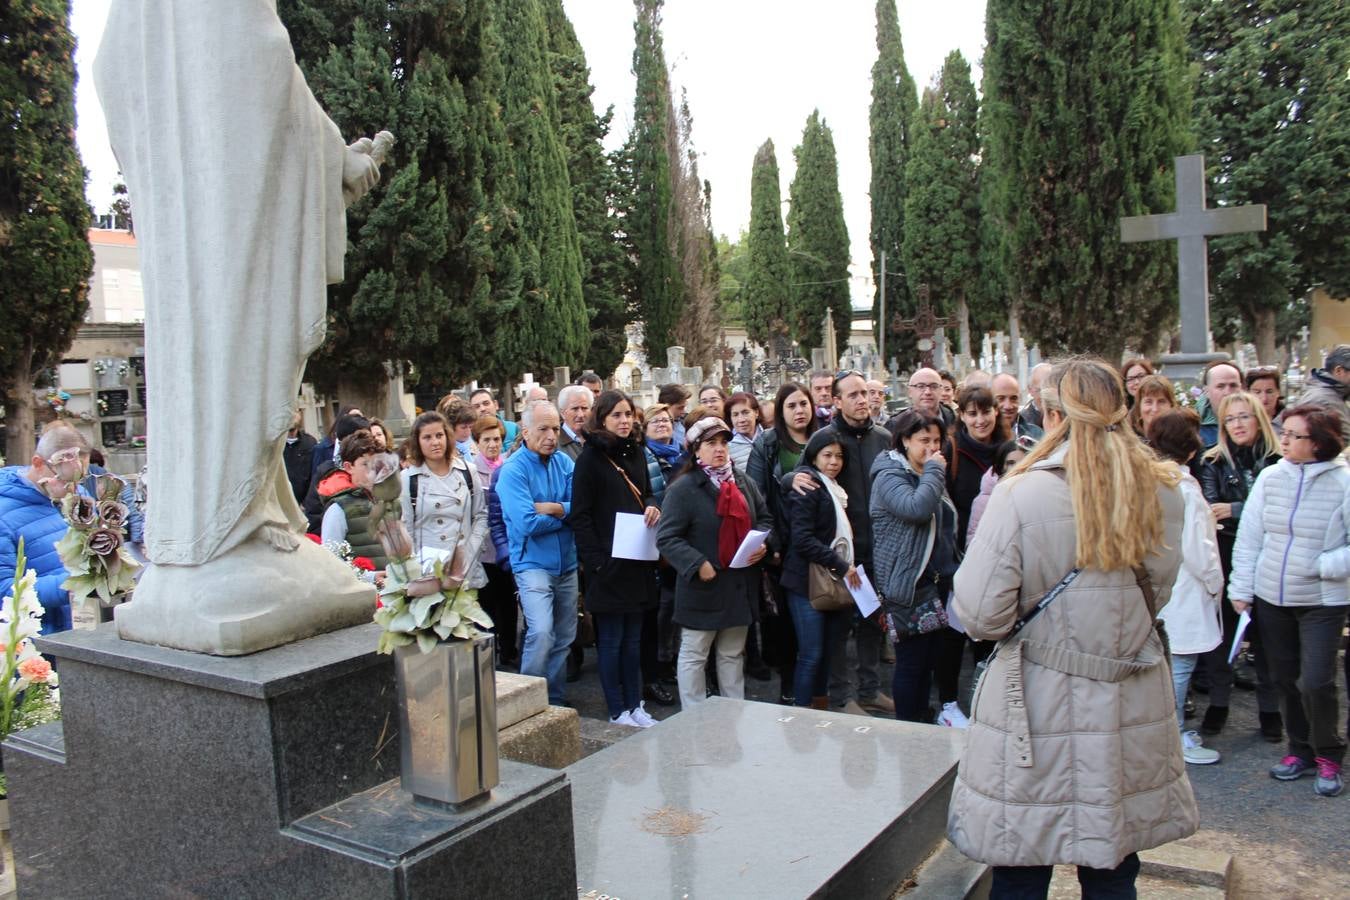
(734, 512)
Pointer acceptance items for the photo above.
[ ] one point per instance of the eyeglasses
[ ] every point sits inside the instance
(845, 373)
(1294, 437)
(1237, 419)
(1135, 379)
(660, 420)
(925, 388)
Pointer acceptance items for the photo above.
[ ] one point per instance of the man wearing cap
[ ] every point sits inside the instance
(1329, 387)
(863, 441)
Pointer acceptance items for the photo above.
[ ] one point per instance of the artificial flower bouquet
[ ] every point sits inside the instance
(93, 549)
(424, 598)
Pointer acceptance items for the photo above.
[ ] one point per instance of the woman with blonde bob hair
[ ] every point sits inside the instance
(1074, 755)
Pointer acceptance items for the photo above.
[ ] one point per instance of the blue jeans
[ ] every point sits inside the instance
(618, 644)
(550, 606)
(1183, 667)
(915, 657)
(815, 633)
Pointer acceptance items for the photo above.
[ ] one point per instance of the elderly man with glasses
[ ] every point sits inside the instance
(1329, 387)
(29, 511)
(925, 395)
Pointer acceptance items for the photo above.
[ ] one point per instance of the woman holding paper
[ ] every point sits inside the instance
(1292, 560)
(821, 534)
(610, 480)
(708, 513)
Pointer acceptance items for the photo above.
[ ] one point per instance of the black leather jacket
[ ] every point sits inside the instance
(1224, 483)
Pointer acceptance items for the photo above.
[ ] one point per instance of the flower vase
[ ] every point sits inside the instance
(447, 706)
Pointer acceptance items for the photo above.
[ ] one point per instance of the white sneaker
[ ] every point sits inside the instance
(952, 717)
(641, 717)
(1193, 751)
(625, 718)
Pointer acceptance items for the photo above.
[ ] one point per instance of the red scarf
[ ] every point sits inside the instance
(735, 515)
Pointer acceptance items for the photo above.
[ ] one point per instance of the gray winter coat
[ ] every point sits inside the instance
(1293, 547)
(1321, 389)
(904, 511)
(687, 537)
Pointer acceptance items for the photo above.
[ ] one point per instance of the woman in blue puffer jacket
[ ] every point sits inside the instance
(1292, 559)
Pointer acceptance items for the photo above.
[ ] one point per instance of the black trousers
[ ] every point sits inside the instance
(1301, 643)
(498, 599)
(1033, 882)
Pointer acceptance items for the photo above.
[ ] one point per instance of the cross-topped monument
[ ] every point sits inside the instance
(924, 325)
(1191, 226)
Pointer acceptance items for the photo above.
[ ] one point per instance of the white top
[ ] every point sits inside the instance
(1192, 613)
(448, 517)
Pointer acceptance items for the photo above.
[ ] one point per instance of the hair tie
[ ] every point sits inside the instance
(1112, 427)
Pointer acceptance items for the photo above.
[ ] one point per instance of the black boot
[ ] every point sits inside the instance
(574, 658)
(656, 693)
(1215, 718)
(1272, 726)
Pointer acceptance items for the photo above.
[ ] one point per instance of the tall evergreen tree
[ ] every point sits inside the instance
(1088, 104)
(942, 210)
(434, 252)
(768, 293)
(45, 259)
(649, 218)
(695, 250)
(551, 326)
(605, 265)
(1272, 111)
(817, 240)
(895, 102)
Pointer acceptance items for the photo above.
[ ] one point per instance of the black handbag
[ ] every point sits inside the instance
(927, 613)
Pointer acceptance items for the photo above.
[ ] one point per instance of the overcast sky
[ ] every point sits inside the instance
(753, 69)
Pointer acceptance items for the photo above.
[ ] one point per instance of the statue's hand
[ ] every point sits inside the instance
(360, 172)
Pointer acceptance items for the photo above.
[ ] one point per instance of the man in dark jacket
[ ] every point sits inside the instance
(1329, 387)
(863, 442)
(298, 455)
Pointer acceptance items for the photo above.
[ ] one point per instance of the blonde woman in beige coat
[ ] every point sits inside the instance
(1073, 754)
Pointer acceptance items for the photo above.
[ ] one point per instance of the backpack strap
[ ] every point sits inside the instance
(412, 493)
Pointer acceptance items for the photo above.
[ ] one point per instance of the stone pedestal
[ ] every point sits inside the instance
(1187, 366)
(741, 799)
(177, 774)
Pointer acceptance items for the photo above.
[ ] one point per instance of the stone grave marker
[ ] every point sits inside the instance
(741, 799)
(1191, 226)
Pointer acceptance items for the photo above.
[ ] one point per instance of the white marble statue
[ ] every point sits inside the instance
(240, 184)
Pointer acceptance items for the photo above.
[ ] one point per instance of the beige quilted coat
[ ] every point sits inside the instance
(1073, 754)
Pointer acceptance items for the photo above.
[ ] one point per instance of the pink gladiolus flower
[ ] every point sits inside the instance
(36, 669)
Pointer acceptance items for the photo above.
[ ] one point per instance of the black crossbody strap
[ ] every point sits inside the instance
(1045, 601)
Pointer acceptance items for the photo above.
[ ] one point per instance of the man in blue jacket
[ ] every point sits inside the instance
(29, 511)
(534, 486)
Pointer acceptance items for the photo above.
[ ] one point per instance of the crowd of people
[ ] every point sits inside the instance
(1095, 541)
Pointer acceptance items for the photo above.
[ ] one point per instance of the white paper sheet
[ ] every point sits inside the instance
(953, 621)
(753, 541)
(1243, 621)
(633, 539)
(865, 596)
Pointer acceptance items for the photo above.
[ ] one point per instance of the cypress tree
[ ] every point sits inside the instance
(768, 293)
(1088, 104)
(657, 291)
(605, 265)
(45, 259)
(942, 209)
(817, 240)
(550, 327)
(695, 251)
(432, 257)
(894, 104)
(1272, 109)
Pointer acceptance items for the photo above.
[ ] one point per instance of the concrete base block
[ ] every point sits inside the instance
(551, 739)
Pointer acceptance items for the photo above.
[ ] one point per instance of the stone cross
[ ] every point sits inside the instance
(1191, 226)
(562, 377)
(724, 355)
(894, 369)
(924, 324)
